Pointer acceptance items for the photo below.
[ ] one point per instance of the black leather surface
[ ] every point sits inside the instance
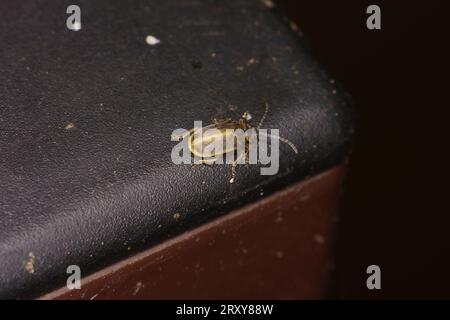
(105, 188)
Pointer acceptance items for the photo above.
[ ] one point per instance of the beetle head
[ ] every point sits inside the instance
(247, 116)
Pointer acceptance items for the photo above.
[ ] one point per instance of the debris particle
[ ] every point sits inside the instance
(319, 239)
(252, 61)
(305, 197)
(232, 107)
(268, 3)
(213, 54)
(279, 254)
(294, 26)
(176, 216)
(94, 296)
(294, 68)
(279, 220)
(69, 126)
(196, 64)
(240, 68)
(137, 288)
(332, 81)
(29, 265)
(274, 59)
(151, 40)
(334, 92)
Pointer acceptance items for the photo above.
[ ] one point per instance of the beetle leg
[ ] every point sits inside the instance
(208, 162)
(247, 151)
(233, 171)
(264, 116)
(234, 166)
(289, 143)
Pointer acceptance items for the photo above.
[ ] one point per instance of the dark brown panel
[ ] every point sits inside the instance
(277, 247)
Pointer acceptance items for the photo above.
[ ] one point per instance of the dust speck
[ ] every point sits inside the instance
(94, 296)
(151, 40)
(305, 197)
(69, 126)
(240, 68)
(232, 107)
(279, 254)
(252, 61)
(176, 216)
(319, 239)
(137, 288)
(29, 264)
(279, 220)
(294, 26)
(268, 3)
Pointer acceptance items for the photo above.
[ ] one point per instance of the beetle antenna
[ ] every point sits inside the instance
(264, 116)
(289, 143)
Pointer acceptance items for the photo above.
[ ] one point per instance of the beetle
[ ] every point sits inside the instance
(196, 146)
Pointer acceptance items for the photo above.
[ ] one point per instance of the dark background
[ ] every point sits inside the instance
(395, 208)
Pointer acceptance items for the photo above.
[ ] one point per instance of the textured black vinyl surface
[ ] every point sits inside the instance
(86, 117)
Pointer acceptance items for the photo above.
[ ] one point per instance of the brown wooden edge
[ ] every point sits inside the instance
(275, 248)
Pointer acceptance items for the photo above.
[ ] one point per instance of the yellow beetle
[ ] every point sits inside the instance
(224, 128)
